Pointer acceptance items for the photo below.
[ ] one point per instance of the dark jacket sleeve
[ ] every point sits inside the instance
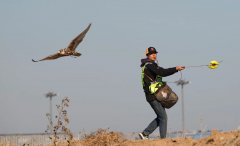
(161, 71)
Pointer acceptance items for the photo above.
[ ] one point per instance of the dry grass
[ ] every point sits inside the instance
(103, 137)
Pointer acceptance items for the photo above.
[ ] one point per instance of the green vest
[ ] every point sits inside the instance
(155, 84)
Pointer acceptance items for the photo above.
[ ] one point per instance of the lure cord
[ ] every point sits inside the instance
(195, 66)
(181, 74)
(201, 65)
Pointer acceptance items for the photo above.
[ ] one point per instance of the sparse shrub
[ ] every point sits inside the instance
(60, 126)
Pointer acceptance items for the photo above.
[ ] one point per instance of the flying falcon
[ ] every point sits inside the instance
(70, 50)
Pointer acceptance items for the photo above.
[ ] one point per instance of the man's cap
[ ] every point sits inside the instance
(150, 50)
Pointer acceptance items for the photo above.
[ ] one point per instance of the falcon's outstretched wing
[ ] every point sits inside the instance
(75, 42)
(50, 57)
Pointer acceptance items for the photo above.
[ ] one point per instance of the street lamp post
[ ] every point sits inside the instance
(182, 83)
(50, 95)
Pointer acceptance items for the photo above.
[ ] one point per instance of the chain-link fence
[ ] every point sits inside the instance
(34, 139)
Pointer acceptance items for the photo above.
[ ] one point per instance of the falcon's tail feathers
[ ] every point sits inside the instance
(34, 60)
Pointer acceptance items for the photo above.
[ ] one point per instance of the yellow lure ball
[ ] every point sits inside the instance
(213, 64)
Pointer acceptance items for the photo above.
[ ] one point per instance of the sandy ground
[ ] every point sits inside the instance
(110, 138)
(105, 138)
(215, 139)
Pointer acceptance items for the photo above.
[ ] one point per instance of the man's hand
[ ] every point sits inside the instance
(179, 68)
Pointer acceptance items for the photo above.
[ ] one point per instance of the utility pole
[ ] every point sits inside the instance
(182, 83)
(50, 95)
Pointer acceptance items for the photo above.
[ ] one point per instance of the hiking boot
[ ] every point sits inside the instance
(142, 136)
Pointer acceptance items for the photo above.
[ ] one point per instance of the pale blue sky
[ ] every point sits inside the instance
(104, 84)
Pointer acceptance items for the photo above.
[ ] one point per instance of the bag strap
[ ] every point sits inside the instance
(149, 78)
(143, 74)
(146, 74)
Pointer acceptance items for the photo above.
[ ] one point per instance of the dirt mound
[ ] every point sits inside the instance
(103, 137)
(222, 138)
(106, 138)
(215, 139)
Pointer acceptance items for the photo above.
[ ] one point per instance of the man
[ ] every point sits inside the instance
(151, 72)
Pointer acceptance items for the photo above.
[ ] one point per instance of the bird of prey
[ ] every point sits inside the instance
(70, 50)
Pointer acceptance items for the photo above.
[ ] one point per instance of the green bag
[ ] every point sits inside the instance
(155, 86)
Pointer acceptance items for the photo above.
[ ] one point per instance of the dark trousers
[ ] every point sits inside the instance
(160, 120)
